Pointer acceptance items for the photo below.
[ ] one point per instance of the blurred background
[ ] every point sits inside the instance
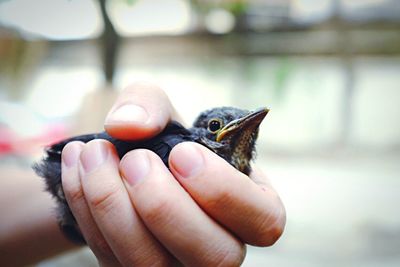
(329, 70)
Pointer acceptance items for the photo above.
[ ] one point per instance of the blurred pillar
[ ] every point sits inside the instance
(110, 41)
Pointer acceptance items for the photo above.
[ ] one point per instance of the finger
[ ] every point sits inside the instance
(141, 111)
(112, 210)
(77, 203)
(173, 217)
(255, 215)
(259, 177)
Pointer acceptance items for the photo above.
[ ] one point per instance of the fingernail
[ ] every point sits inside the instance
(135, 166)
(70, 154)
(94, 154)
(127, 113)
(187, 160)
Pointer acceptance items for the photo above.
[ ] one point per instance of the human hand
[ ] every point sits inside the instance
(137, 212)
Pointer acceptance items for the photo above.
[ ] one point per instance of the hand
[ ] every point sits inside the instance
(135, 212)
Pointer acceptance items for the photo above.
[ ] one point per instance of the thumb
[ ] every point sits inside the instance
(141, 111)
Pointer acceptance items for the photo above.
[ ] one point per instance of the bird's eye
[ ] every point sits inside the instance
(214, 125)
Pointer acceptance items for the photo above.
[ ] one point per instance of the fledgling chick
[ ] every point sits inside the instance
(229, 132)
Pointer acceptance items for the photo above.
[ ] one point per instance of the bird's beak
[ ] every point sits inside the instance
(250, 121)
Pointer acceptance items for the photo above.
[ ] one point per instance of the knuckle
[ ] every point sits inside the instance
(223, 200)
(270, 229)
(268, 238)
(231, 257)
(104, 201)
(74, 195)
(158, 212)
(276, 233)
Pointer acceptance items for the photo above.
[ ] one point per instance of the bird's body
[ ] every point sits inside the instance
(229, 132)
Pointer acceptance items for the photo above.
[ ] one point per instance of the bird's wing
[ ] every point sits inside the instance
(173, 134)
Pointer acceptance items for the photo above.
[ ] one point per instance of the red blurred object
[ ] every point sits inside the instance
(5, 140)
(12, 143)
(23, 132)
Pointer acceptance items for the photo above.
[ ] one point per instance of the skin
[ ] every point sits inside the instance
(28, 228)
(134, 211)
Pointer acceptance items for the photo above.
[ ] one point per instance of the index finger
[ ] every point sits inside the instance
(252, 211)
(141, 111)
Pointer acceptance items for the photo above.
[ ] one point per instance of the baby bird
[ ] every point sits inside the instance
(229, 132)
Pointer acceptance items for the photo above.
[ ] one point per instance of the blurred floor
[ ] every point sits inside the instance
(342, 211)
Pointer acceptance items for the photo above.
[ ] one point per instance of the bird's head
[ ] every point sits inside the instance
(231, 133)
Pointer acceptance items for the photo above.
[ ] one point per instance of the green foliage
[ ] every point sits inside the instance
(130, 2)
(237, 7)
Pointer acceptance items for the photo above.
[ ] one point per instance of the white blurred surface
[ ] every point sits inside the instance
(78, 19)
